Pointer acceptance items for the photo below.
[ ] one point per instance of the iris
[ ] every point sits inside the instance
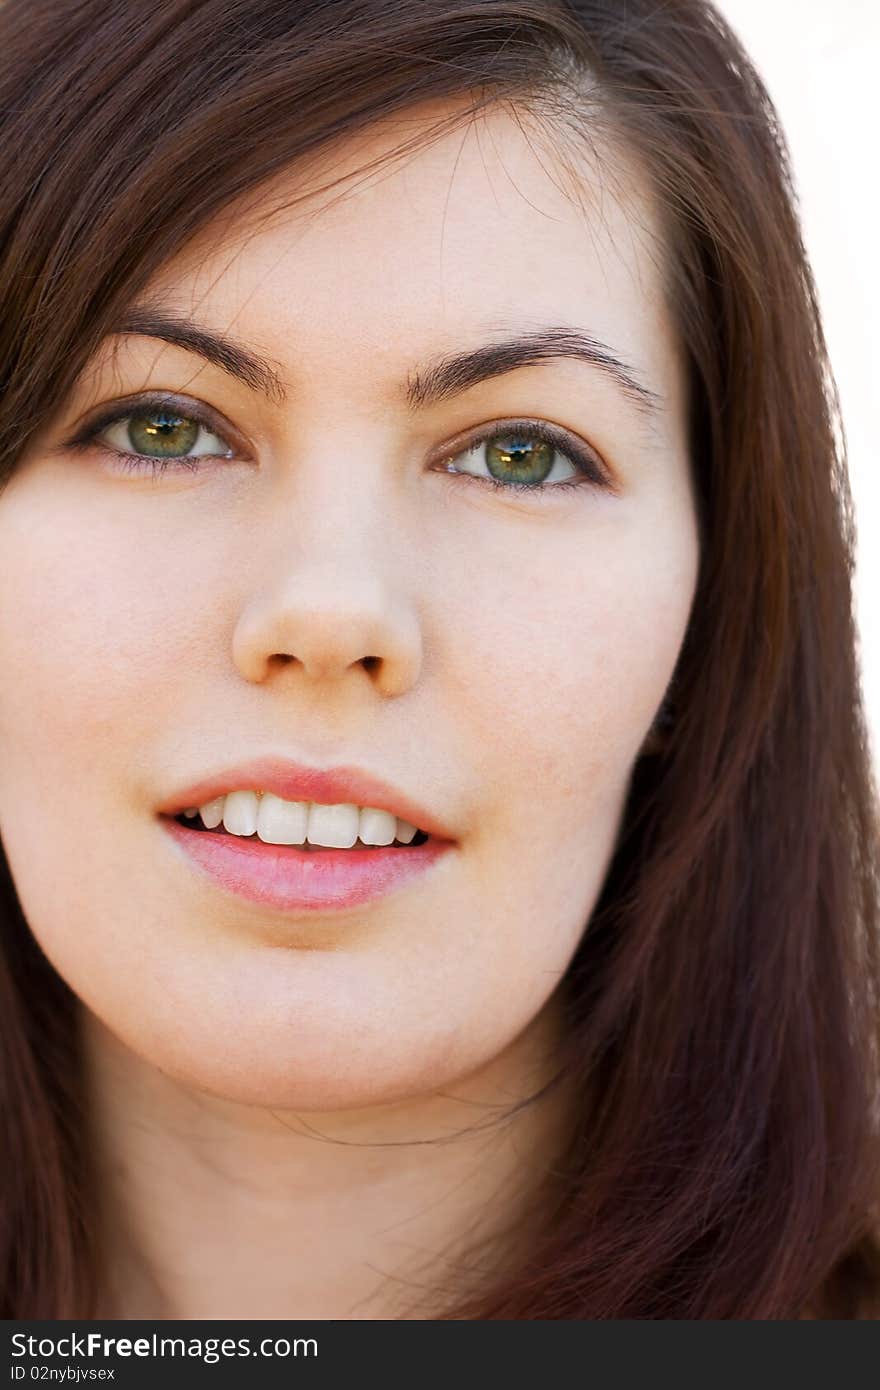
(162, 433)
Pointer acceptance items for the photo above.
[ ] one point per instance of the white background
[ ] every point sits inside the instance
(821, 64)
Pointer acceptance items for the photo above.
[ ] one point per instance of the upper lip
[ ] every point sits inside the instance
(298, 782)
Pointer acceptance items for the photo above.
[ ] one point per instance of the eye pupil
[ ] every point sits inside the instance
(163, 433)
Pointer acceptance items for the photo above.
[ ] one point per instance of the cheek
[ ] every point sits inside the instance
(98, 633)
(95, 630)
(569, 661)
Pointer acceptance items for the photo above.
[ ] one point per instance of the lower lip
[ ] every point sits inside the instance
(292, 879)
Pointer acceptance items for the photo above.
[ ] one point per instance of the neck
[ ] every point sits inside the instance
(213, 1209)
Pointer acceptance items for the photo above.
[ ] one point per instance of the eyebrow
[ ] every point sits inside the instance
(451, 375)
(255, 371)
(438, 380)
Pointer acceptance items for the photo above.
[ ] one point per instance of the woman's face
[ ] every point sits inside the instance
(336, 585)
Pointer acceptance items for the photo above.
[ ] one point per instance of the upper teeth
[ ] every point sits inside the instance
(280, 822)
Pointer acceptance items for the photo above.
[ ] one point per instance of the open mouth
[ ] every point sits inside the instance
(304, 878)
(195, 824)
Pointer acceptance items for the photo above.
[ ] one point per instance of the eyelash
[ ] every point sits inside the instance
(589, 471)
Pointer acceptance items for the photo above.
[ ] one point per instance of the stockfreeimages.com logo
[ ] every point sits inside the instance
(208, 1349)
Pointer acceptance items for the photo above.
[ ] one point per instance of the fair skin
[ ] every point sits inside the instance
(263, 1086)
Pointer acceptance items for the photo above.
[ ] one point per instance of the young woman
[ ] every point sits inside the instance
(440, 847)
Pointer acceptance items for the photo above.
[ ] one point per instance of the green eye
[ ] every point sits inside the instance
(162, 434)
(154, 434)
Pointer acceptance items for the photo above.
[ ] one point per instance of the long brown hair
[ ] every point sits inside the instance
(723, 1010)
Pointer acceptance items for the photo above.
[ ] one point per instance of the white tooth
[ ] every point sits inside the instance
(282, 822)
(212, 812)
(335, 827)
(240, 813)
(376, 827)
(193, 811)
(405, 831)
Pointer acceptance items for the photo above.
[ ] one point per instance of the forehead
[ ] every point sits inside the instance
(492, 223)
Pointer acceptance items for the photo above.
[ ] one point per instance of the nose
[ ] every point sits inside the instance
(331, 621)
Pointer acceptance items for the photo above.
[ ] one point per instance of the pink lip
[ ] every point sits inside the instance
(294, 879)
(297, 782)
